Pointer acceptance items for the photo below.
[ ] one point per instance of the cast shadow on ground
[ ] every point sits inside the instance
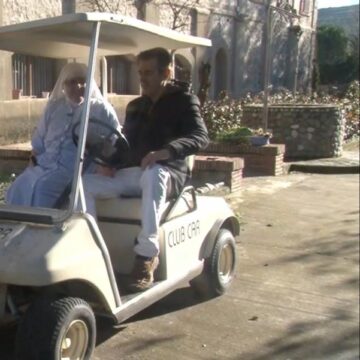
(179, 299)
(306, 340)
(182, 298)
(322, 257)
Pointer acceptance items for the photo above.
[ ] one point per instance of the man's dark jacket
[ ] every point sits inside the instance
(173, 122)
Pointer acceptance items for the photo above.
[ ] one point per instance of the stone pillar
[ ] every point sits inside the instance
(68, 6)
(151, 13)
(5, 66)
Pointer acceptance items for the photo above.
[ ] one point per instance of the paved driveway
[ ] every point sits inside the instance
(295, 295)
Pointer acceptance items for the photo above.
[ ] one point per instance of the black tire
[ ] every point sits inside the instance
(54, 329)
(219, 269)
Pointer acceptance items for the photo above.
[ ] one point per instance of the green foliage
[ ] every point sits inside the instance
(223, 117)
(350, 105)
(332, 45)
(235, 136)
(338, 55)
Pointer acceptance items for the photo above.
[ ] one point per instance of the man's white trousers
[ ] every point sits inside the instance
(151, 184)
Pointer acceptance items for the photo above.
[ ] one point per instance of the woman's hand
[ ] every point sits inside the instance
(32, 158)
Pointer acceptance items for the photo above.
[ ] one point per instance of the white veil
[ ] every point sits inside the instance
(70, 71)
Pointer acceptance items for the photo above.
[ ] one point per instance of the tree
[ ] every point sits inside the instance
(179, 9)
(353, 57)
(338, 55)
(119, 6)
(332, 45)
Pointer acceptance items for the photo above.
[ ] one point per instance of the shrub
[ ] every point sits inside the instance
(222, 115)
(235, 136)
(350, 104)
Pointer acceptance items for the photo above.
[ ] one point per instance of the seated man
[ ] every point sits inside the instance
(162, 126)
(52, 162)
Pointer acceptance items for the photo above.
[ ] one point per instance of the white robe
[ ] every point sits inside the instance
(55, 151)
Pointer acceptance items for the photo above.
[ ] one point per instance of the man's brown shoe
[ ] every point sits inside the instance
(142, 275)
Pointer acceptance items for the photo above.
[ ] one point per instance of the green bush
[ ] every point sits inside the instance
(235, 136)
(223, 117)
(350, 105)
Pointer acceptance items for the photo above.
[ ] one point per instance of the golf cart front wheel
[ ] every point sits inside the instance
(57, 330)
(222, 262)
(219, 268)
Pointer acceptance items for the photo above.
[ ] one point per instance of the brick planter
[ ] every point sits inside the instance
(216, 169)
(258, 160)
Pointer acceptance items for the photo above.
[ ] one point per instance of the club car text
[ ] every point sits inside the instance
(183, 233)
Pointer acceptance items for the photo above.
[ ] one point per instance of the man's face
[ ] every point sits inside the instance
(151, 78)
(75, 89)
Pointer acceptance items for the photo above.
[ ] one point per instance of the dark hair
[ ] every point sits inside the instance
(161, 55)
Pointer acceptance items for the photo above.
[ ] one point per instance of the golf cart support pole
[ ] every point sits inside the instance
(76, 183)
(78, 193)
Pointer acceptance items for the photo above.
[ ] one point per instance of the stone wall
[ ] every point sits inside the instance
(17, 11)
(308, 131)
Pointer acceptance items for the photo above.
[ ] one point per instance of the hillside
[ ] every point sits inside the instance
(346, 17)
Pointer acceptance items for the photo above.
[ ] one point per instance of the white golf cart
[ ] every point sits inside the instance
(58, 266)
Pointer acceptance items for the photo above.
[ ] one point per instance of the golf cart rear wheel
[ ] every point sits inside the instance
(219, 267)
(56, 330)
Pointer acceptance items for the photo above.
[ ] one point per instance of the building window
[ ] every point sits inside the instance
(304, 6)
(33, 76)
(118, 72)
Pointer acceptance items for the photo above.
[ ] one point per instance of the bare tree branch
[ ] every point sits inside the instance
(180, 9)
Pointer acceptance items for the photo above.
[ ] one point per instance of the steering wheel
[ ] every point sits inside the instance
(105, 145)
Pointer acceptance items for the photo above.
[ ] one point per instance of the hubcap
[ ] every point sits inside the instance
(226, 264)
(75, 341)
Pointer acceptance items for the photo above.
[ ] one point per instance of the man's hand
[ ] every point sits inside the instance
(105, 171)
(32, 158)
(152, 157)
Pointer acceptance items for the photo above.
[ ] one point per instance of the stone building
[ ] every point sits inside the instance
(239, 30)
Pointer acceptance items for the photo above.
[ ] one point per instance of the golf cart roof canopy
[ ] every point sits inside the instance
(68, 36)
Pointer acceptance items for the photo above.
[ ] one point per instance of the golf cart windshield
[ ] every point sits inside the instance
(79, 36)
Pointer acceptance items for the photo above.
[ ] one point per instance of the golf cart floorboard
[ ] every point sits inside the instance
(123, 282)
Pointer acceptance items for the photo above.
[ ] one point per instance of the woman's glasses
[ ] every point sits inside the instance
(76, 81)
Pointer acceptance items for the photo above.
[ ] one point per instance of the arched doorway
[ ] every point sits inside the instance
(182, 69)
(221, 71)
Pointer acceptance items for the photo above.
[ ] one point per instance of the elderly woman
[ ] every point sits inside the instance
(53, 150)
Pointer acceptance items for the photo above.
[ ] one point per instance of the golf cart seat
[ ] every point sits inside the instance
(128, 209)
